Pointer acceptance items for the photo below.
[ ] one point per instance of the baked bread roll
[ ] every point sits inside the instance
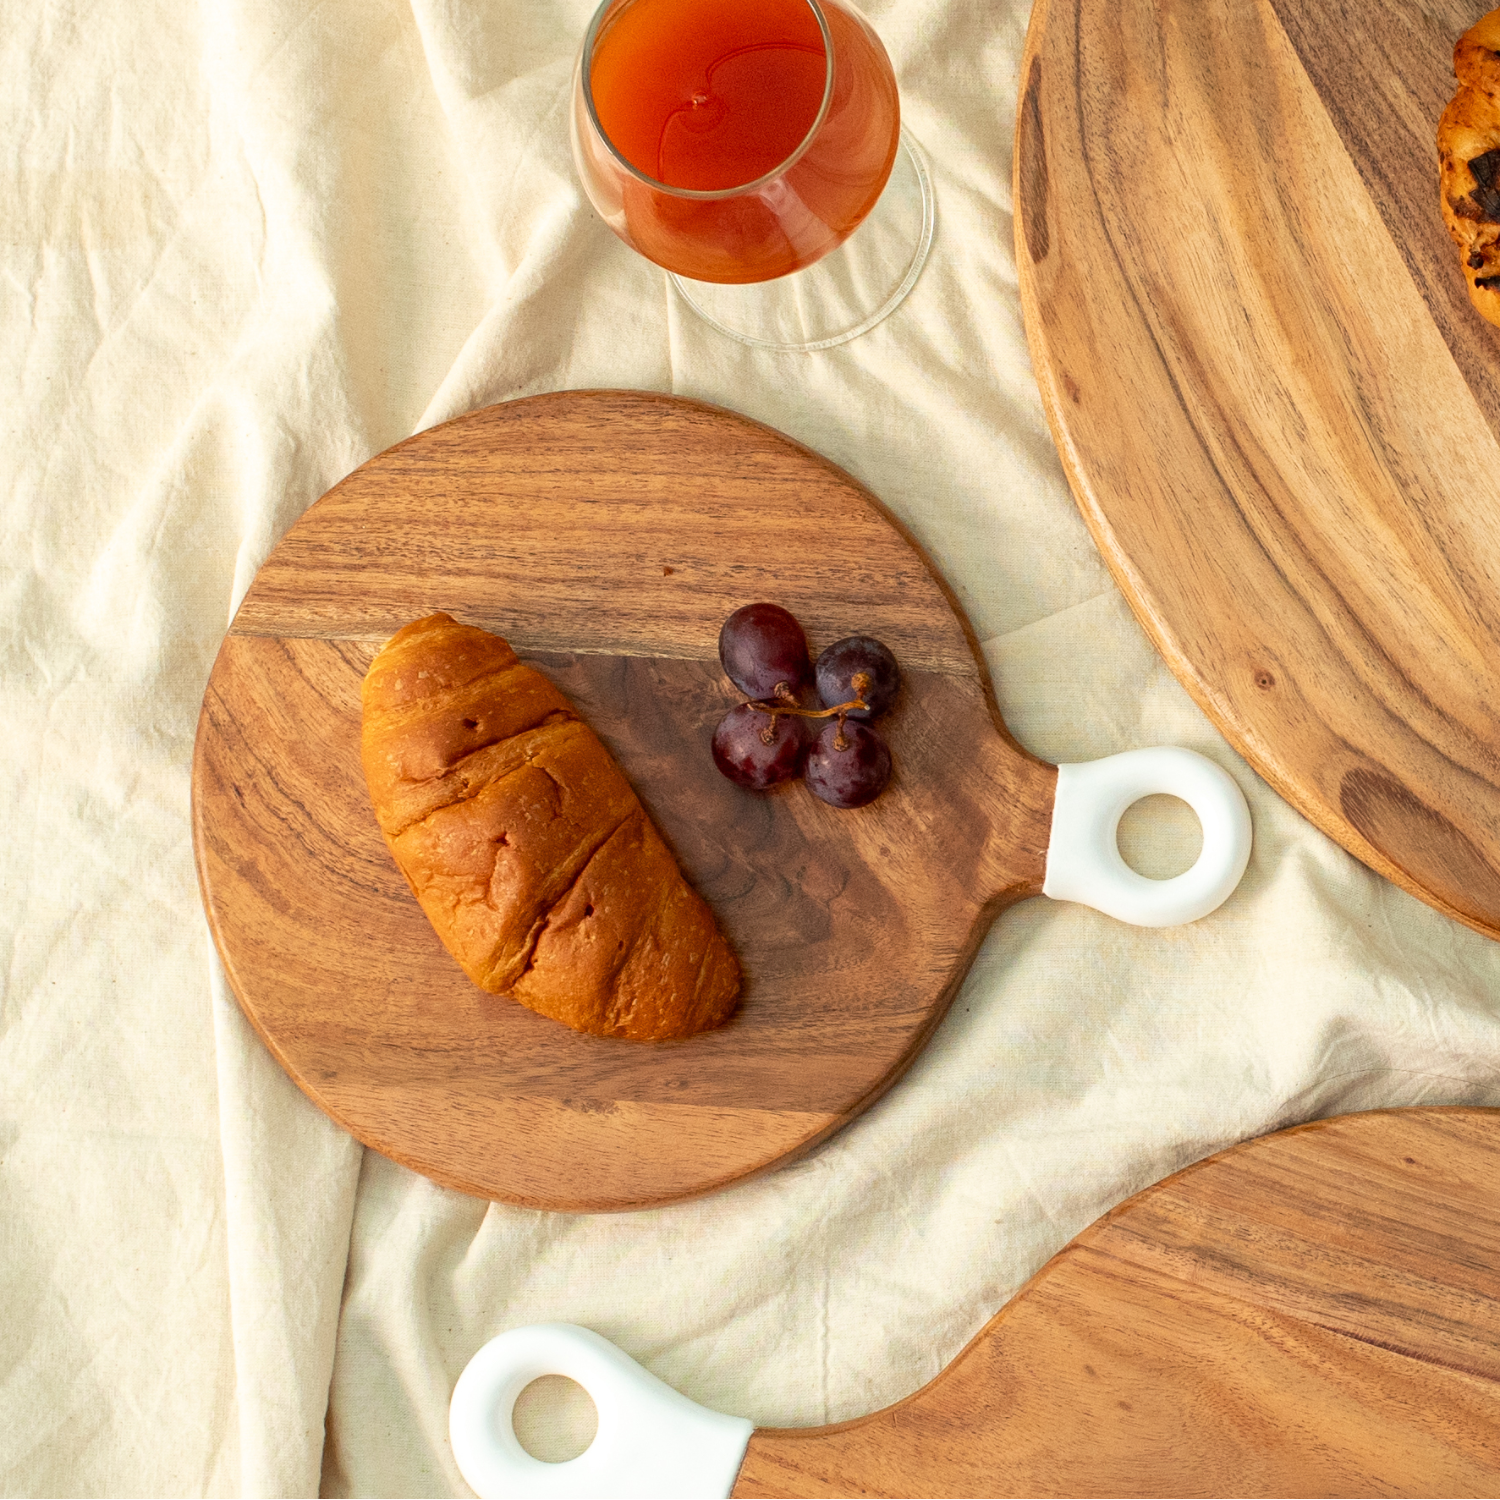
(526, 847)
(1468, 142)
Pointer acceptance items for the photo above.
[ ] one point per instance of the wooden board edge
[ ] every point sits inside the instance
(1028, 187)
(1081, 1241)
(210, 915)
(666, 398)
(1345, 1121)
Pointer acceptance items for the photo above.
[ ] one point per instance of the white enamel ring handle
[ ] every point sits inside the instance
(651, 1440)
(1083, 856)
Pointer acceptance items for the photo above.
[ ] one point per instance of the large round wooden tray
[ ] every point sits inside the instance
(607, 535)
(1275, 404)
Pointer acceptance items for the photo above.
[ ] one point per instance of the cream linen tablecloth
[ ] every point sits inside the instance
(246, 246)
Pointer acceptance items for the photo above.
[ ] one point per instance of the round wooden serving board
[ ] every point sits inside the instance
(606, 535)
(1313, 1313)
(1277, 408)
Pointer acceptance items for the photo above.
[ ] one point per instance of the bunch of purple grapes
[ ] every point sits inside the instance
(773, 738)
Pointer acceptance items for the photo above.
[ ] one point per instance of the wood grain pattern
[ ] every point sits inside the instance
(1275, 405)
(606, 535)
(1313, 1313)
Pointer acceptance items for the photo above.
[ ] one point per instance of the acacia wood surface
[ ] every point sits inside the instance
(1316, 1312)
(606, 535)
(1275, 405)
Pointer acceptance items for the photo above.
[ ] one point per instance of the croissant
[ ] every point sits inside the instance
(526, 847)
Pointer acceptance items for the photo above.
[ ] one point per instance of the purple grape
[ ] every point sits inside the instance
(762, 649)
(742, 753)
(850, 773)
(846, 659)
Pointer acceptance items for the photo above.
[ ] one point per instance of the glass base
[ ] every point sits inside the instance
(846, 293)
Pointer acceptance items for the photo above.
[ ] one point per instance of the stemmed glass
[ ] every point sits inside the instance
(737, 143)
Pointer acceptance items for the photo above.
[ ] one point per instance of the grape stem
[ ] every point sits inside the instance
(787, 704)
(806, 713)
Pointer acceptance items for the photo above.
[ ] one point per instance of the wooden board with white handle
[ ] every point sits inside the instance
(606, 535)
(1277, 409)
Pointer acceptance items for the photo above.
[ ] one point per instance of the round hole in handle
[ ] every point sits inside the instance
(1083, 856)
(555, 1419)
(651, 1441)
(1160, 836)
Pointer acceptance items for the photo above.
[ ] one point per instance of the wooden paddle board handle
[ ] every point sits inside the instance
(1314, 1312)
